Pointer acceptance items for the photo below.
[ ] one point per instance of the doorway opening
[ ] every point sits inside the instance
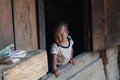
(72, 12)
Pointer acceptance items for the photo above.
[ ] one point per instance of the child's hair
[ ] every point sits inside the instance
(59, 25)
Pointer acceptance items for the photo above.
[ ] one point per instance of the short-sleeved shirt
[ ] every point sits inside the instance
(63, 53)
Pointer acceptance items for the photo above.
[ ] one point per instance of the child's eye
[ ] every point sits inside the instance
(62, 35)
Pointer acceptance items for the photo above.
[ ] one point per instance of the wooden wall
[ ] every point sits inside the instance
(6, 23)
(18, 24)
(98, 27)
(112, 17)
(25, 24)
(112, 14)
(105, 23)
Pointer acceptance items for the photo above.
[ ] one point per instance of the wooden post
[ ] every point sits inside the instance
(41, 24)
(111, 63)
(87, 33)
(98, 27)
(112, 22)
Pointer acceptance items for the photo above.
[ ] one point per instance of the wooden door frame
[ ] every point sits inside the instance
(87, 25)
(41, 24)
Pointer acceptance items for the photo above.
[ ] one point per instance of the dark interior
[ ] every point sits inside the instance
(70, 11)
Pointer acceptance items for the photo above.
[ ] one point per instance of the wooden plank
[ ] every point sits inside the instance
(94, 71)
(69, 70)
(32, 67)
(6, 25)
(112, 21)
(111, 67)
(112, 12)
(111, 53)
(113, 40)
(25, 24)
(41, 24)
(112, 70)
(111, 64)
(98, 27)
(87, 26)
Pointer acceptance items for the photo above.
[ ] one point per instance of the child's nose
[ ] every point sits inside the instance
(60, 38)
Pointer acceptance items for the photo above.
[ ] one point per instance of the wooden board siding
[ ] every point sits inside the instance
(111, 63)
(94, 71)
(6, 25)
(41, 24)
(98, 27)
(111, 67)
(112, 14)
(32, 67)
(25, 24)
(112, 22)
(113, 40)
(70, 70)
(87, 33)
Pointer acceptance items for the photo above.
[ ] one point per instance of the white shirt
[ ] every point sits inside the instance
(63, 53)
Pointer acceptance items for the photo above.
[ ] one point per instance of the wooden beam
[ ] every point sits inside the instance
(41, 24)
(69, 70)
(6, 24)
(112, 22)
(111, 63)
(98, 27)
(113, 40)
(94, 71)
(87, 25)
(112, 16)
(32, 67)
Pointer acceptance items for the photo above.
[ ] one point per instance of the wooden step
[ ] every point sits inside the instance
(32, 67)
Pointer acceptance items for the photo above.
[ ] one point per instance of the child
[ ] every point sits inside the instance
(61, 49)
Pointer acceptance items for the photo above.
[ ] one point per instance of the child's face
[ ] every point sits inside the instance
(60, 35)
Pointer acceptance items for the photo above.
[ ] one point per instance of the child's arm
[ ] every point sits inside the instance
(54, 65)
(72, 60)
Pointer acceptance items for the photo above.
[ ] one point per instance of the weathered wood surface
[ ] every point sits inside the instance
(94, 71)
(112, 14)
(41, 24)
(112, 70)
(111, 63)
(112, 22)
(98, 27)
(113, 40)
(87, 33)
(25, 24)
(32, 67)
(69, 70)
(6, 25)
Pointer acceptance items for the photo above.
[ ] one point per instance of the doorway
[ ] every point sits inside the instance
(76, 15)
(70, 11)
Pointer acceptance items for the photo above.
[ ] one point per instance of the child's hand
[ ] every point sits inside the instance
(73, 61)
(57, 72)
